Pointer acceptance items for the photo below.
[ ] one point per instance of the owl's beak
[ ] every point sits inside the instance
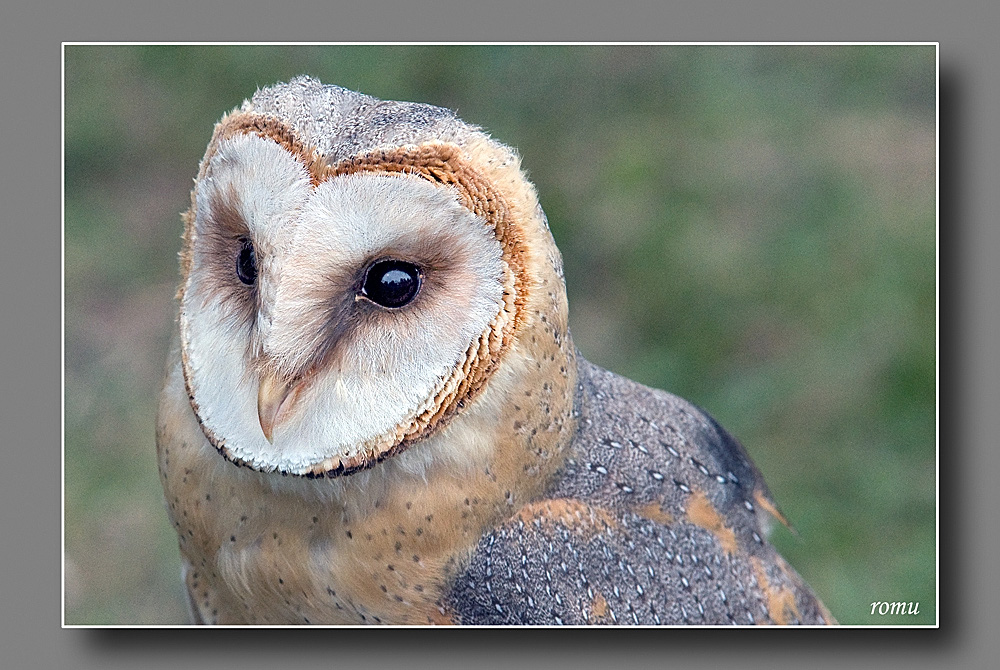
(275, 399)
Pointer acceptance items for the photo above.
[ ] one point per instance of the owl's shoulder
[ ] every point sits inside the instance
(653, 520)
(635, 445)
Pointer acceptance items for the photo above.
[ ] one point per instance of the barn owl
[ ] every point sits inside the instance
(374, 413)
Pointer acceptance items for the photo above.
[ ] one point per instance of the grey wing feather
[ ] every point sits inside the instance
(674, 536)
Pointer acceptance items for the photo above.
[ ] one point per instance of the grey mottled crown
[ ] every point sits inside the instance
(342, 123)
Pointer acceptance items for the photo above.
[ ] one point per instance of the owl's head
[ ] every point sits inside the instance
(357, 274)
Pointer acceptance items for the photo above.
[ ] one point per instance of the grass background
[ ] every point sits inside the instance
(750, 227)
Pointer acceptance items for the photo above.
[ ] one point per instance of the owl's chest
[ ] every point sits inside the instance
(256, 556)
(256, 552)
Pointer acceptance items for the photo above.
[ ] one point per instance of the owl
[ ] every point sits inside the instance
(374, 413)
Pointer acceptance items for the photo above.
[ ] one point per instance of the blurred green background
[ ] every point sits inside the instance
(751, 227)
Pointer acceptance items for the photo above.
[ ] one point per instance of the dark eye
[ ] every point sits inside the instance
(246, 263)
(391, 283)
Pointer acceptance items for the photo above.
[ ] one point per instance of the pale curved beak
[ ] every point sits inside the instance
(275, 400)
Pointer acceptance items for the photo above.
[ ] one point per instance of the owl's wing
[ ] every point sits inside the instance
(655, 519)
